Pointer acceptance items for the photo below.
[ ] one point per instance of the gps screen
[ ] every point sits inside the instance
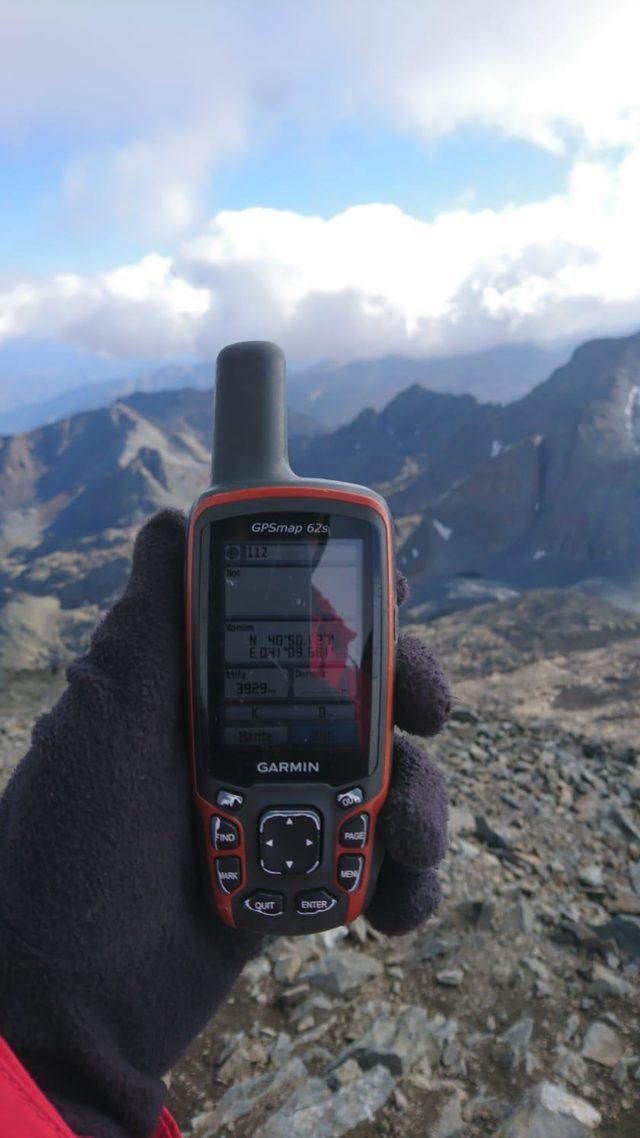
(290, 641)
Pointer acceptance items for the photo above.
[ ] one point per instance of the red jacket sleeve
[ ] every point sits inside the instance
(26, 1113)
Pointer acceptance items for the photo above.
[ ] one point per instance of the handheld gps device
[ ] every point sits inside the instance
(291, 616)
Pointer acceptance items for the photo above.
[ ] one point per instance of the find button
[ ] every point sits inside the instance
(224, 834)
(267, 904)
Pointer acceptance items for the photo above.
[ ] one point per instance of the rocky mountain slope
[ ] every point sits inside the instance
(72, 495)
(390, 448)
(512, 1014)
(104, 469)
(335, 393)
(544, 491)
(551, 655)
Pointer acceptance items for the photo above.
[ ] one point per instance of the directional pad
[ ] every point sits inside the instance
(290, 840)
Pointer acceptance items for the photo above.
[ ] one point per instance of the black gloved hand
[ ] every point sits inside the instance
(110, 959)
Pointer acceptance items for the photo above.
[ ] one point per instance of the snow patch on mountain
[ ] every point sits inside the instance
(443, 531)
(632, 413)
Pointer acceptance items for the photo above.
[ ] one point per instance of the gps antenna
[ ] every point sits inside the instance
(250, 416)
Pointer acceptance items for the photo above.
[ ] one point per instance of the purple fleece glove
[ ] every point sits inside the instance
(110, 959)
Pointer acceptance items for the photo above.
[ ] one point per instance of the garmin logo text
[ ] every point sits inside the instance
(284, 767)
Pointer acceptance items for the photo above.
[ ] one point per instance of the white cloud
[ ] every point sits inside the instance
(149, 97)
(548, 72)
(142, 309)
(367, 281)
(150, 185)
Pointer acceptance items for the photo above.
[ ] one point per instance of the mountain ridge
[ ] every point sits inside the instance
(329, 393)
(489, 500)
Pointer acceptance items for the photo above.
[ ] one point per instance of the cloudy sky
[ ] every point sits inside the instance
(348, 178)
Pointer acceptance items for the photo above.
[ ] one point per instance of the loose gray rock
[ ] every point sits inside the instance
(315, 1002)
(243, 1097)
(442, 1112)
(476, 914)
(233, 1043)
(399, 1042)
(550, 1111)
(626, 824)
(519, 919)
(591, 876)
(515, 1041)
(280, 1049)
(625, 931)
(315, 1111)
(461, 822)
(344, 1074)
(342, 971)
(536, 966)
(491, 838)
(602, 1045)
(606, 982)
(450, 978)
(464, 714)
(571, 1068)
(291, 997)
(435, 946)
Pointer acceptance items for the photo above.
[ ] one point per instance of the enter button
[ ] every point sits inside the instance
(314, 901)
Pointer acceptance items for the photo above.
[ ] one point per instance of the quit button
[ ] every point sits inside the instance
(268, 904)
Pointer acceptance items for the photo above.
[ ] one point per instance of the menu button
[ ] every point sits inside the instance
(350, 868)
